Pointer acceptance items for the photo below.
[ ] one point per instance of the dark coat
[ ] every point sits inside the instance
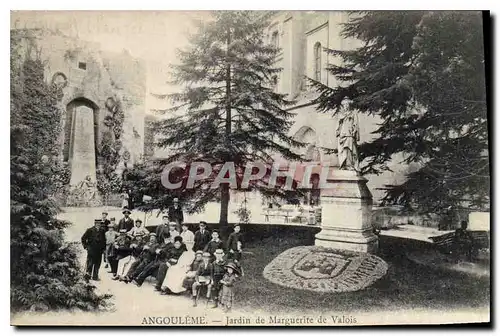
(126, 224)
(201, 240)
(175, 254)
(161, 232)
(122, 247)
(94, 240)
(175, 215)
(232, 241)
(206, 271)
(213, 245)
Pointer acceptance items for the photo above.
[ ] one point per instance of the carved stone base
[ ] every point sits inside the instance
(346, 214)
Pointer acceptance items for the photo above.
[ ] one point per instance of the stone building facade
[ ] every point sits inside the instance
(93, 80)
(302, 37)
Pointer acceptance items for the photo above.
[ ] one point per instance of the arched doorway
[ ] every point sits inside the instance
(81, 129)
(69, 126)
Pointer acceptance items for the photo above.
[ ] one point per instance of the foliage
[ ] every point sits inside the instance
(243, 212)
(423, 74)
(45, 270)
(228, 110)
(108, 181)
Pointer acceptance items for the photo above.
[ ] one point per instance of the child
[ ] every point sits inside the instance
(203, 277)
(214, 244)
(234, 244)
(218, 266)
(110, 239)
(226, 295)
(187, 237)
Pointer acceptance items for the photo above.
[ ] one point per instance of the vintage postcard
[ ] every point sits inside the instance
(249, 168)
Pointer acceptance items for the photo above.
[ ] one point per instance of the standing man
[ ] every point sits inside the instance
(94, 241)
(126, 222)
(201, 237)
(105, 220)
(162, 229)
(175, 214)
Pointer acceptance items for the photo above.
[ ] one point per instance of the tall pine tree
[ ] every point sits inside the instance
(423, 74)
(230, 110)
(45, 269)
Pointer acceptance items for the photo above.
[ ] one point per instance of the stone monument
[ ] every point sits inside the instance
(347, 203)
(83, 168)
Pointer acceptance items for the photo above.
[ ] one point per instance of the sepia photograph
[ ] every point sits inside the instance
(231, 168)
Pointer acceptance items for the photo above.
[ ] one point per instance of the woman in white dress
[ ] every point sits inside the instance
(176, 273)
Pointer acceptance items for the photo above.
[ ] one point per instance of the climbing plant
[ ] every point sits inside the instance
(108, 181)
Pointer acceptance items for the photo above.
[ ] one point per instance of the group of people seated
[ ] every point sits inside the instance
(179, 260)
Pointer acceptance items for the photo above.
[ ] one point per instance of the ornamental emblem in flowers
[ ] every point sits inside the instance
(320, 265)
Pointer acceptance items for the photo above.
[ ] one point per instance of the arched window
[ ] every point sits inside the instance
(317, 61)
(274, 39)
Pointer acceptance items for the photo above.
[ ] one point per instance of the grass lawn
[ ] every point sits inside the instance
(405, 286)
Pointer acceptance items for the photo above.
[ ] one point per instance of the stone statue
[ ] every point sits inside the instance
(347, 138)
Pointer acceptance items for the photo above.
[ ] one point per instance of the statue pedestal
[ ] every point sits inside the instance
(346, 214)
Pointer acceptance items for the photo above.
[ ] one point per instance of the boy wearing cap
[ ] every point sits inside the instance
(94, 241)
(126, 222)
(203, 277)
(188, 281)
(234, 244)
(201, 237)
(111, 235)
(218, 266)
(138, 230)
(214, 244)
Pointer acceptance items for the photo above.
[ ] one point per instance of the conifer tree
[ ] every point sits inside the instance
(45, 269)
(423, 74)
(230, 111)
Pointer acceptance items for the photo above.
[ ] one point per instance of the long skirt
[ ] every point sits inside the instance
(175, 278)
(226, 296)
(124, 265)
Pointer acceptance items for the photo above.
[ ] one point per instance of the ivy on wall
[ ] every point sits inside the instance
(108, 181)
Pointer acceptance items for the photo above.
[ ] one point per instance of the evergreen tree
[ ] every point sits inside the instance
(230, 110)
(423, 74)
(45, 270)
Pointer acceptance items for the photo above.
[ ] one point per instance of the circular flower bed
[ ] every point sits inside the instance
(325, 270)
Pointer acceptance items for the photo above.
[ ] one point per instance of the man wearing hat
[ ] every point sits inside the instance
(162, 229)
(121, 250)
(201, 237)
(162, 254)
(126, 222)
(138, 230)
(105, 220)
(175, 214)
(94, 241)
(203, 277)
(144, 258)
